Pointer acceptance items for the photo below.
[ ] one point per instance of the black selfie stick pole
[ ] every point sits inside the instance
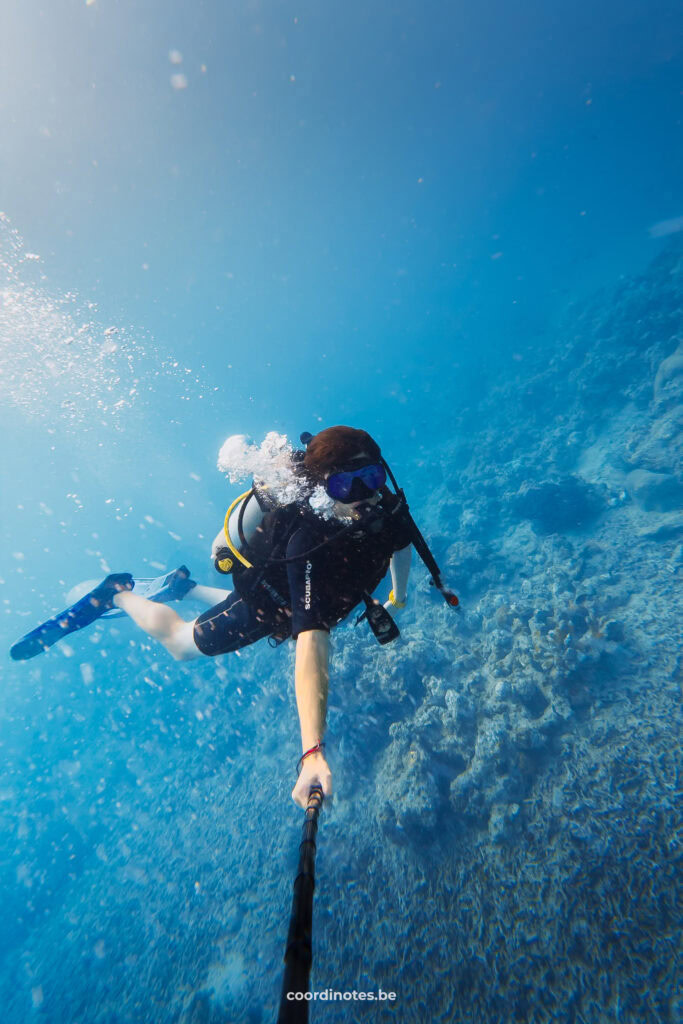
(298, 952)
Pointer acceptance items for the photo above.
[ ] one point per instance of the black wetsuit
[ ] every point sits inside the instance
(312, 592)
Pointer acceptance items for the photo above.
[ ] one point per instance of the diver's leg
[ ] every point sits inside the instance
(230, 626)
(162, 623)
(209, 595)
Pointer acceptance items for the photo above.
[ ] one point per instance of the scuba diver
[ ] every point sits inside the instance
(296, 573)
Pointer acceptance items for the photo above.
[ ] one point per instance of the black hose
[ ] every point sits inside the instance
(299, 951)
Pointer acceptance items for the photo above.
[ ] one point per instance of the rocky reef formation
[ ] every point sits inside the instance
(562, 551)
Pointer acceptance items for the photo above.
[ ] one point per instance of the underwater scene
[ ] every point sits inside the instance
(341, 394)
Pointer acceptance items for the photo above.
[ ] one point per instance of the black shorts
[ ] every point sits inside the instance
(230, 625)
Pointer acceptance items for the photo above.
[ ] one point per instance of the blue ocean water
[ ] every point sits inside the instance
(459, 229)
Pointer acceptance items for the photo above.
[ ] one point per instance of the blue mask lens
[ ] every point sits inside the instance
(373, 477)
(367, 478)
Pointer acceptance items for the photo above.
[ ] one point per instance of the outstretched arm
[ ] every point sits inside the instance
(311, 679)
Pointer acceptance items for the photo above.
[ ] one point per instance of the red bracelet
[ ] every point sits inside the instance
(314, 750)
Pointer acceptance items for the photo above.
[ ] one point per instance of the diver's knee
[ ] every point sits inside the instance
(181, 652)
(183, 655)
(181, 644)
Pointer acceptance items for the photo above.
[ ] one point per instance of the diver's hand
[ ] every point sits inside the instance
(393, 609)
(314, 769)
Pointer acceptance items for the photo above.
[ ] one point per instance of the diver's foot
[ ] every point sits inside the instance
(102, 597)
(176, 585)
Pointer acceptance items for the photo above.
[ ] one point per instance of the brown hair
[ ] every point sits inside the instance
(336, 446)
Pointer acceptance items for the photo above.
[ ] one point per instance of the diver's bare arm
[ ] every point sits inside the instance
(312, 676)
(400, 570)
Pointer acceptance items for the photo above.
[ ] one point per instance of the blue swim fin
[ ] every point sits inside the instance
(164, 589)
(98, 603)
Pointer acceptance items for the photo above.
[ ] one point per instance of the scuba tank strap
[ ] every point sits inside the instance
(240, 521)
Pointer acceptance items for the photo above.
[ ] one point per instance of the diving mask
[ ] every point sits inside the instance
(356, 484)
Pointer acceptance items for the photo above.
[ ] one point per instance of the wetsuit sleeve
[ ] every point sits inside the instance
(307, 587)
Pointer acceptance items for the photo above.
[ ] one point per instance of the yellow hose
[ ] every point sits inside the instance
(230, 544)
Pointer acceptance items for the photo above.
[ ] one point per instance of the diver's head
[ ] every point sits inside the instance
(348, 463)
